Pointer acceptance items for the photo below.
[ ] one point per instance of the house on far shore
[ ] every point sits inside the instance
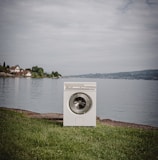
(27, 73)
(15, 69)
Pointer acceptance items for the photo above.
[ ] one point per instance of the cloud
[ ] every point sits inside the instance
(126, 5)
(151, 2)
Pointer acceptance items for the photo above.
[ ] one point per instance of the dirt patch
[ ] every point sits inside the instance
(58, 117)
(126, 124)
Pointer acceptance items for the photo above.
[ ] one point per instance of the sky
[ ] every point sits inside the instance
(79, 36)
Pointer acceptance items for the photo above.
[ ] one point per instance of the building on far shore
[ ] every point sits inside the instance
(17, 71)
(27, 73)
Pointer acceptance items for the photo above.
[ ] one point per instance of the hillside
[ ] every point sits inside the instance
(145, 74)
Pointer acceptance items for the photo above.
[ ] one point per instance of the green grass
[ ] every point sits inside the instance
(23, 138)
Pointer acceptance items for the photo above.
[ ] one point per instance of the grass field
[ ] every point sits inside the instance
(23, 138)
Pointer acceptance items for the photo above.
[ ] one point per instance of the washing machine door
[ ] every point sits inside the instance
(80, 103)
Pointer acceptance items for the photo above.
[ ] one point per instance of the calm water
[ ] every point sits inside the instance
(124, 100)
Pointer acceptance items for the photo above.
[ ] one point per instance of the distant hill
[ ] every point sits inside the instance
(144, 74)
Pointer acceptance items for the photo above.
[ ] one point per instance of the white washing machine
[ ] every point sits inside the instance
(79, 104)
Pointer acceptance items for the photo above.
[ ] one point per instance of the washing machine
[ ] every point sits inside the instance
(79, 104)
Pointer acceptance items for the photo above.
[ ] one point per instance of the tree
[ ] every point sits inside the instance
(55, 74)
(3, 68)
(40, 72)
(37, 71)
(4, 64)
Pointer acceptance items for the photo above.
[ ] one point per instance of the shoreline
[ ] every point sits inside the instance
(58, 117)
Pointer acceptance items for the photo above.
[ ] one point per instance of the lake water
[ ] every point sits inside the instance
(133, 101)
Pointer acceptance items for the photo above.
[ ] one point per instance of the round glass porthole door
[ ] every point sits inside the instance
(80, 103)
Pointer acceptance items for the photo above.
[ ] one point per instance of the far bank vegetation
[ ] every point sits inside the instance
(34, 72)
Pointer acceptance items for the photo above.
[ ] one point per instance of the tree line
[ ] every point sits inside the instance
(37, 72)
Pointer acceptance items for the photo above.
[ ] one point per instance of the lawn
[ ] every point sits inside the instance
(24, 138)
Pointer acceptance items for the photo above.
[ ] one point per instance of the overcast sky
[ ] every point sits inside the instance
(80, 36)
